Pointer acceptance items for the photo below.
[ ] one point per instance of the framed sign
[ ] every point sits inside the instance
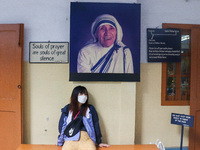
(164, 45)
(99, 56)
(182, 119)
(48, 52)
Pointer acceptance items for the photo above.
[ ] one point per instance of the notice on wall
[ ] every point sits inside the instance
(48, 52)
(164, 45)
(182, 119)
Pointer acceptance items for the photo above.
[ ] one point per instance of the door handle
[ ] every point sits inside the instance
(19, 86)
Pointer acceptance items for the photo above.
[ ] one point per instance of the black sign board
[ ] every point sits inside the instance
(181, 119)
(164, 45)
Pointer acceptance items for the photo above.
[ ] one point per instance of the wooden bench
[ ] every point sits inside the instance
(112, 147)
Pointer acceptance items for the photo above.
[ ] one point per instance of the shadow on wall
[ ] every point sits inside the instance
(102, 125)
(178, 148)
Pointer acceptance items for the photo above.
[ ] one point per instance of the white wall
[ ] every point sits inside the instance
(43, 21)
(47, 90)
(156, 12)
(153, 121)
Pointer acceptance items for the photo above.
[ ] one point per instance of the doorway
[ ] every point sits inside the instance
(11, 61)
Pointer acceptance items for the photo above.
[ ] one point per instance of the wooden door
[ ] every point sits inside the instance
(11, 55)
(194, 139)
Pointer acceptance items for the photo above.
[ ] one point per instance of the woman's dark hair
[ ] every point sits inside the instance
(74, 100)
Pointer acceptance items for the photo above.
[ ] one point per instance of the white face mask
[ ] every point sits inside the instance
(82, 99)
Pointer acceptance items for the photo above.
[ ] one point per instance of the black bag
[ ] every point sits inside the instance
(74, 126)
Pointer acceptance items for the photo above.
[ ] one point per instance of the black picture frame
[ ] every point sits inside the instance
(81, 18)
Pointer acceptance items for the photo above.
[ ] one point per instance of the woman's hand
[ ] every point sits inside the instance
(103, 145)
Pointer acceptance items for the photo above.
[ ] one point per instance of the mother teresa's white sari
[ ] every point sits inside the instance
(96, 59)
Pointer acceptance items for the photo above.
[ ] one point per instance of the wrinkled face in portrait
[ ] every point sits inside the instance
(106, 35)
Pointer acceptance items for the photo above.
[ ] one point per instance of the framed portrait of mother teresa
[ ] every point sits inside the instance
(104, 41)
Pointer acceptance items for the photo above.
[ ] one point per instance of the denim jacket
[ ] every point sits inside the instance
(90, 121)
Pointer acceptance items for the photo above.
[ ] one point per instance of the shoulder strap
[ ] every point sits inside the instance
(77, 114)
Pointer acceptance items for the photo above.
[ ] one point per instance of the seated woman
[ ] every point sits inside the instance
(90, 134)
